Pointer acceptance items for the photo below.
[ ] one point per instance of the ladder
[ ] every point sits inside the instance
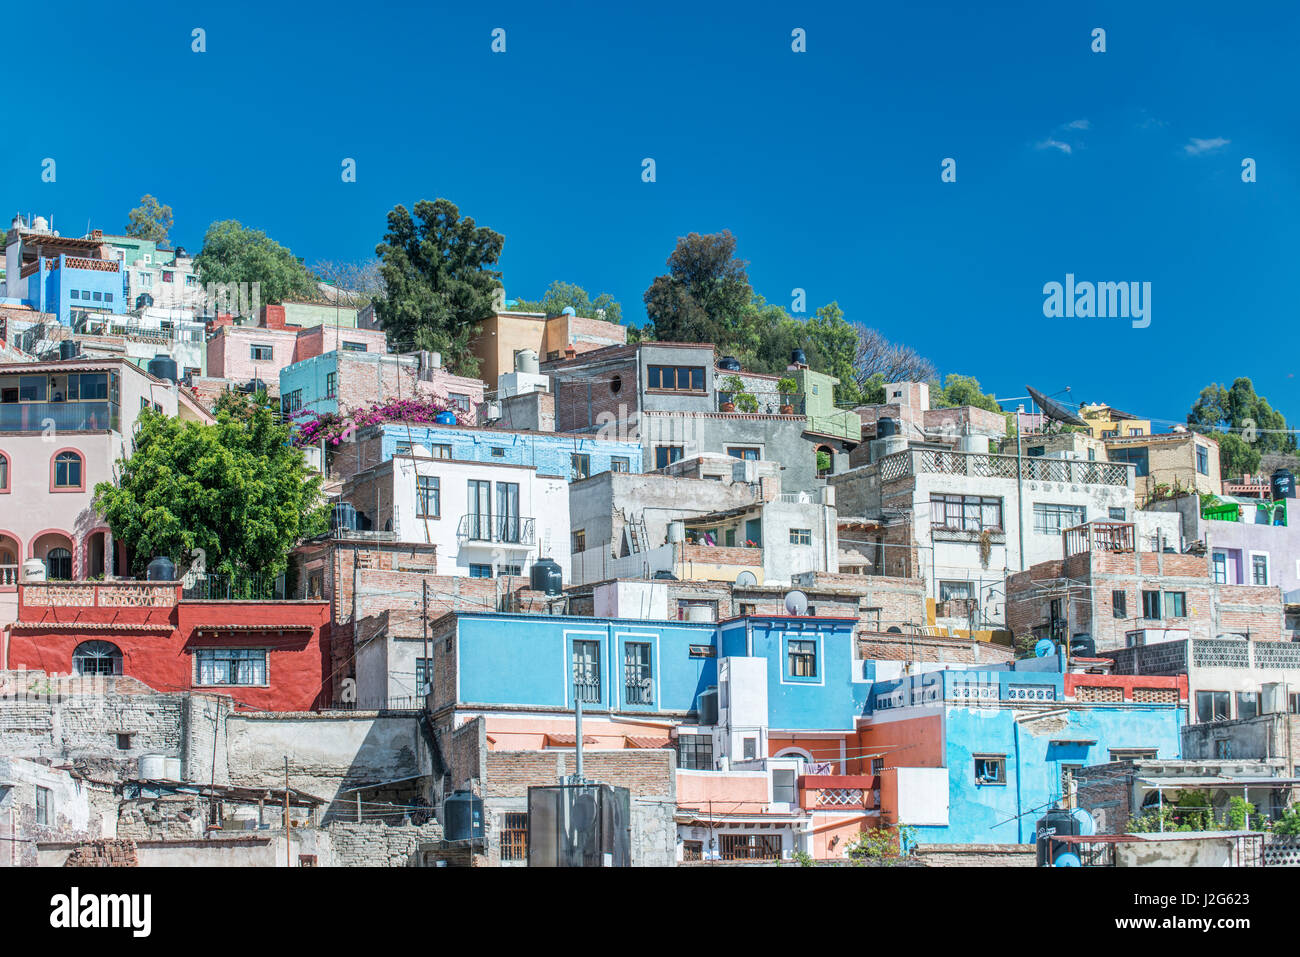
(636, 536)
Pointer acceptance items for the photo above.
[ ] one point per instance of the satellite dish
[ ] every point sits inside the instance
(1067, 859)
(1044, 648)
(893, 630)
(1053, 409)
(1087, 825)
(746, 578)
(796, 603)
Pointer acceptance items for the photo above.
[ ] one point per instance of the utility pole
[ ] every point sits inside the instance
(288, 846)
(424, 620)
(1020, 495)
(577, 710)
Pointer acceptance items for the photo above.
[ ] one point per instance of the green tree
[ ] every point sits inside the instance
(233, 253)
(561, 295)
(1243, 423)
(958, 390)
(236, 490)
(704, 294)
(150, 220)
(435, 269)
(833, 346)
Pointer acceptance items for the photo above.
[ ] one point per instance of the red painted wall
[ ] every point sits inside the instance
(1127, 682)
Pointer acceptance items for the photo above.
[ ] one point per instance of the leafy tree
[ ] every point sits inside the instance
(234, 253)
(704, 294)
(149, 220)
(237, 491)
(435, 269)
(833, 349)
(958, 390)
(562, 295)
(1243, 423)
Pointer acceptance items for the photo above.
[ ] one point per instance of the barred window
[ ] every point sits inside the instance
(231, 666)
(695, 752)
(639, 685)
(586, 670)
(973, 513)
(514, 836)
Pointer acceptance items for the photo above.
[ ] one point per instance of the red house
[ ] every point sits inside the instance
(266, 655)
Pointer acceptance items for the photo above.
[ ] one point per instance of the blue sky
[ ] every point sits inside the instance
(1115, 166)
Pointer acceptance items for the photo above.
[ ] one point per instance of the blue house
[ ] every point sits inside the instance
(71, 286)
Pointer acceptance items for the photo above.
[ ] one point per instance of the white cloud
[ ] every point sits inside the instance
(1078, 125)
(1050, 144)
(1198, 146)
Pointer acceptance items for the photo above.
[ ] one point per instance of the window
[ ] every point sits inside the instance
(1110, 433)
(692, 850)
(1119, 604)
(123, 741)
(31, 388)
(1247, 704)
(579, 467)
(98, 297)
(331, 385)
(42, 805)
(580, 540)
(480, 571)
(353, 346)
(616, 384)
(67, 470)
(1140, 459)
(1221, 568)
(1259, 569)
(747, 608)
(4, 472)
(97, 658)
(260, 353)
(429, 494)
(1117, 514)
(231, 666)
(784, 786)
(1136, 431)
(638, 686)
(191, 281)
(168, 275)
(1176, 604)
(620, 463)
(1052, 519)
(949, 591)
(440, 451)
(291, 402)
(74, 294)
(498, 452)
(459, 401)
(1203, 460)
(968, 512)
(402, 448)
(877, 765)
(423, 674)
(990, 769)
(1132, 754)
(750, 745)
(1151, 605)
(1294, 702)
(695, 752)
(516, 570)
(108, 297)
(676, 378)
(750, 847)
(1223, 749)
(1212, 706)
(801, 536)
(666, 455)
(1067, 777)
(514, 836)
(802, 658)
(58, 562)
(586, 671)
(746, 452)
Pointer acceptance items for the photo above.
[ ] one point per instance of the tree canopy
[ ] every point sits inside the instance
(1243, 423)
(561, 295)
(435, 268)
(150, 220)
(234, 253)
(958, 390)
(236, 491)
(704, 294)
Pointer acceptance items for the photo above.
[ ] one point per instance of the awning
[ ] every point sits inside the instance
(1087, 742)
(215, 629)
(1171, 784)
(568, 740)
(647, 742)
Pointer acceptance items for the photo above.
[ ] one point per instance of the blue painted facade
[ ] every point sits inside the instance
(311, 377)
(549, 452)
(63, 289)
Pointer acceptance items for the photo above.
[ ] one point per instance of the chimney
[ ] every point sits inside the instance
(569, 352)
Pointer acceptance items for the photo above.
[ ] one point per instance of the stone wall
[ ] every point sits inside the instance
(976, 855)
(378, 845)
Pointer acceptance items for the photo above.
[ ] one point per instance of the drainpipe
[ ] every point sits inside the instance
(1020, 821)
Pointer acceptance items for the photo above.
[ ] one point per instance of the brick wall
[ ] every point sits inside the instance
(586, 399)
(885, 647)
(379, 845)
(644, 772)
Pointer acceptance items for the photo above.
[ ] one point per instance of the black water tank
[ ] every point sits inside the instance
(546, 576)
(1082, 646)
(345, 516)
(163, 367)
(1055, 823)
(1283, 483)
(68, 349)
(709, 706)
(255, 385)
(886, 427)
(143, 301)
(797, 357)
(730, 363)
(463, 816)
(161, 570)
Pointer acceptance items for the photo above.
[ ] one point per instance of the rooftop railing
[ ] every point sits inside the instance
(983, 465)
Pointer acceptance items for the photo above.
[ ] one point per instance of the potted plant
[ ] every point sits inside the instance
(787, 387)
(737, 397)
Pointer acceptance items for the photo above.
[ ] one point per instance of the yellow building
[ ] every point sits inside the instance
(501, 337)
(1107, 423)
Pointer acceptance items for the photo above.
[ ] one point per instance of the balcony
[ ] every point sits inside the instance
(127, 594)
(9, 575)
(508, 530)
(1099, 537)
(981, 465)
(828, 791)
(235, 588)
(93, 416)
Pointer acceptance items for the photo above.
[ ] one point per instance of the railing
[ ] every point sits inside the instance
(1099, 537)
(127, 594)
(841, 797)
(769, 403)
(61, 416)
(503, 529)
(637, 691)
(9, 575)
(235, 588)
(815, 496)
(981, 465)
(587, 690)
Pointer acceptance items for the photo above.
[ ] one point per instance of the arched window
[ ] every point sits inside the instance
(67, 470)
(97, 658)
(4, 472)
(59, 563)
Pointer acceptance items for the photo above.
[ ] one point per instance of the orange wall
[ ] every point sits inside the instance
(529, 734)
(909, 743)
(731, 792)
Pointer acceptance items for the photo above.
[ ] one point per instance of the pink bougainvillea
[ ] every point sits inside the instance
(333, 428)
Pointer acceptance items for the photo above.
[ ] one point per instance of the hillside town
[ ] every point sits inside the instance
(305, 577)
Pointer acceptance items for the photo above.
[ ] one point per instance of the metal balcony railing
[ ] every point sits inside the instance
(981, 465)
(235, 588)
(61, 416)
(501, 529)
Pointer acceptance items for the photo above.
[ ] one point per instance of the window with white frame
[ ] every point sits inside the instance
(231, 666)
(1052, 519)
(972, 513)
(1259, 569)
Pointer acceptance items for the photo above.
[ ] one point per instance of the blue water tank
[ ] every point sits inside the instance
(463, 816)
(345, 516)
(161, 570)
(445, 418)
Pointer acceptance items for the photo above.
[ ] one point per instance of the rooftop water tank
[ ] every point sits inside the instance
(163, 366)
(730, 363)
(797, 358)
(546, 576)
(344, 516)
(1283, 484)
(445, 418)
(886, 427)
(153, 767)
(69, 348)
(161, 570)
(462, 816)
(172, 769)
(526, 361)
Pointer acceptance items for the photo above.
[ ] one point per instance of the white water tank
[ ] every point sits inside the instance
(153, 767)
(34, 570)
(526, 361)
(172, 769)
(676, 532)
